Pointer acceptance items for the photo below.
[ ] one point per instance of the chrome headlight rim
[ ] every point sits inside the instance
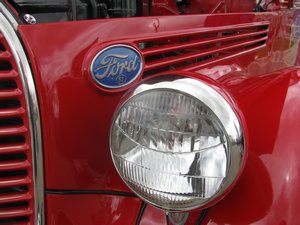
(222, 106)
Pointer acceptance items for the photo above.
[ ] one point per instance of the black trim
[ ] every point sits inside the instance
(167, 219)
(90, 192)
(149, 8)
(94, 9)
(141, 212)
(201, 217)
(139, 8)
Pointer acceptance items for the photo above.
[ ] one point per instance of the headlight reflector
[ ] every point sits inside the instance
(174, 143)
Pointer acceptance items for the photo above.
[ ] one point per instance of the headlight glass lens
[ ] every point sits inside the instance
(170, 148)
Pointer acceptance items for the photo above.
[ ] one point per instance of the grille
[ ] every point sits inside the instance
(192, 49)
(297, 4)
(16, 187)
(284, 3)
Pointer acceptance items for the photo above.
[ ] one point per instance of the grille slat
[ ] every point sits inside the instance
(14, 165)
(11, 112)
(8, 94)
(197, 31)
(198, 54)
(194, 48)
(13, 148)
(220, 59)
(14, 197)
(193, 44)
(14, 181)
(16, 212)
(16, 186)
(5, 55)
(10, 131)
(10, 74)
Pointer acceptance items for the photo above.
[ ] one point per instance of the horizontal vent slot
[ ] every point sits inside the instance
(10, 104)
(14, 205)
(2, 48)
(190, 48)
(19, 173)
(15, 221)
(5, 140)
(13, 191)
(8, 84)
(5, 65)
(12, 157)
(7, 122)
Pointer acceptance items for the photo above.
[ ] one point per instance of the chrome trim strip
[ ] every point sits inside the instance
(8, 26)
(9, 16)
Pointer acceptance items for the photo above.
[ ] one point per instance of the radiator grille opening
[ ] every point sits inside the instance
(16, 187)
(2, 48)
(10, 103)
(14, 205)
(20, 173)
(8, 85)
(12, 157)
(11, 139)
(12, 190)
(14, 221)
(5, 66)
(11, 122)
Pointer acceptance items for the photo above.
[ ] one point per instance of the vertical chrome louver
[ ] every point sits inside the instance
(21, 171)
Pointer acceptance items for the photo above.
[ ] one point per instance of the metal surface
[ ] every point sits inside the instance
(231, 121)
(29, 19)
(8, 24)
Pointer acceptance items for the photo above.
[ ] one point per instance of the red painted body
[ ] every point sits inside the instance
(91, 209)
(263, 82)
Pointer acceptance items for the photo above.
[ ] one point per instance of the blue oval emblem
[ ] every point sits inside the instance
(116, 66)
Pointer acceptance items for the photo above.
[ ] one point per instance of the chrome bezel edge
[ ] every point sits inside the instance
(192, 87)
(8, 27)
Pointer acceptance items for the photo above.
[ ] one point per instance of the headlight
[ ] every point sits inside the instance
(177, 144)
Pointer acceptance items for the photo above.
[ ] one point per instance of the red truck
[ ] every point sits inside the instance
(149, 112)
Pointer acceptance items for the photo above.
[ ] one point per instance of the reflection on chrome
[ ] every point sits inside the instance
(174, 148)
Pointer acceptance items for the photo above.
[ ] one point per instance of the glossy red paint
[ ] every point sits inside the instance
(153, 216)
(91, 209)
(268, 190)
(76, 116)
